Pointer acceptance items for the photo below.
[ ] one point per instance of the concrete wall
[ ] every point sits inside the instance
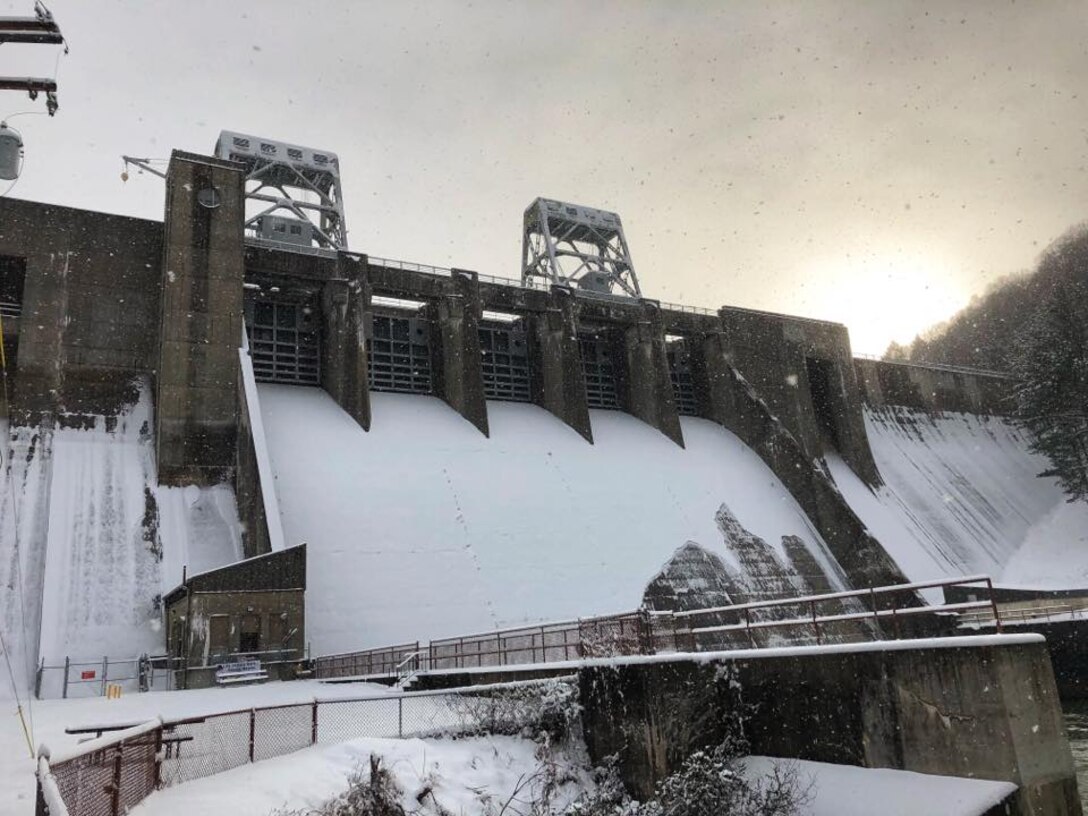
(201, 330)
(248, 491)
(729, 399)
(987, 710)
(90, 306)
(934, 389)
(776, 355)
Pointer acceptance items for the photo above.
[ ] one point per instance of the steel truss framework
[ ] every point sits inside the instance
(280, 176)
(579, 247)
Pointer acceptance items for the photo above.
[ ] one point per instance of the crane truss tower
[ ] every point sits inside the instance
(579, 247)
(293, 193)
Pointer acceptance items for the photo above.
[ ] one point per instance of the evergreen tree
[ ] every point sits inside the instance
(1051, 360)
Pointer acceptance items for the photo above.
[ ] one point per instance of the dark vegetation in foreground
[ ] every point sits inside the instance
(711, 781)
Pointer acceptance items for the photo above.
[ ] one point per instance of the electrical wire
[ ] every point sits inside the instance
(18, 559)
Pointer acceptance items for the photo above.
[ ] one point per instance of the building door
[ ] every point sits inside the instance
(218, 638)
(249, 639)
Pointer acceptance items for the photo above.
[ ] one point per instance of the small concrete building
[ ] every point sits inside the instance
(250, 609)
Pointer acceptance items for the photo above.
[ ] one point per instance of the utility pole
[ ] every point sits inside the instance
(37, 30)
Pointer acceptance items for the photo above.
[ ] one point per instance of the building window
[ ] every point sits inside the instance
(12, 278)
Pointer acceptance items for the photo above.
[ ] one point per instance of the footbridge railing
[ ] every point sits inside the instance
(861, 614)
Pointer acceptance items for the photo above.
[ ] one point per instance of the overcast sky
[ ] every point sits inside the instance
(875, 163)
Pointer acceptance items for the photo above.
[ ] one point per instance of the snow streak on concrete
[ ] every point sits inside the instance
(99, 539)
(425, 528)
(962, 495)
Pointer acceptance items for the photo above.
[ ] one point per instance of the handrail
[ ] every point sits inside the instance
(637, 630)
(409, 266)
(833, 596)
(680, 307)
(960, 369)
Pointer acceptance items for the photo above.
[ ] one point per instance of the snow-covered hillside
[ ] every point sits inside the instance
(962, 495)
(423, 527)
(100, 539)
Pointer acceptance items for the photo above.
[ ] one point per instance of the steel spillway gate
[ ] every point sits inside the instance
(504, 362)
(599, 372)
(284, 342)
(683, 387)
(398, 354)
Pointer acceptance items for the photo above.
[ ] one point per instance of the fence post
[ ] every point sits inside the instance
(115, 794)
(252, 731)
(876, 617)
(815, 625)
(158, 758)
(38, 680)
(67, 665)
(993, 605)
(105, 673)
(400, 717)
(313, 726)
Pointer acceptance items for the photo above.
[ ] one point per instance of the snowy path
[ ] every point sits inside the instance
(424, 528)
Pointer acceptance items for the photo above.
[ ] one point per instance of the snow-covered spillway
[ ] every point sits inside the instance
(962, 495)
(99, 539)
(425, 528)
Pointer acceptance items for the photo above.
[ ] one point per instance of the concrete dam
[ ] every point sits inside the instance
(460, 452)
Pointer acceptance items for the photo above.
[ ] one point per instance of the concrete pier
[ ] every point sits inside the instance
(984, 708)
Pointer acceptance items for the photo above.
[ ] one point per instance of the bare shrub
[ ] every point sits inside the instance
(371, 792)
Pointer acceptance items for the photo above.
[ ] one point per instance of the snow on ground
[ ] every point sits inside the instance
(845, 790)
(93, 523)
(465, 774)
(424, 527)
(51, 717)
(962, 495)
(462, 775)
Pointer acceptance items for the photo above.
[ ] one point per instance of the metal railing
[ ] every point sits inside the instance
(532, 283)
(409, 266)
(1016, 613)
(852, 614)
(954, 369)
(109, 775)
(883, 605)
(286, 246)
(679, 307)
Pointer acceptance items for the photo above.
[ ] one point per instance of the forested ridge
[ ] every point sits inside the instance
(1034, 325)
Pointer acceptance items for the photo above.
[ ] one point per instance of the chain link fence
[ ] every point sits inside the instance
(92, 678)
(116, 772)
